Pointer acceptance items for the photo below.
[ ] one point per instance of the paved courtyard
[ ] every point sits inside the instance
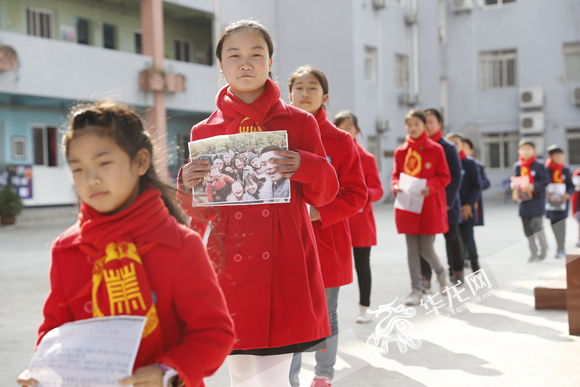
(496, 339)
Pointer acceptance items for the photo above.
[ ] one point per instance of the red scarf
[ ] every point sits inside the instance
(120, 285)
(556, 171)
(462, 155)
(526, 167)
(413, 160)
(244, 117)
(437, 136)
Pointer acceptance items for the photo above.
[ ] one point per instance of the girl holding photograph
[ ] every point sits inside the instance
(422, 158)
(256, 248)
(308, 89)
(128, 221)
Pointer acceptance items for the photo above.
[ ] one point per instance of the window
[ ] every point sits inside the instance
(109, 36)
(182, 148)
(18, 148)
(497, 2)
(498, 69)
(402, 71)
(572, 62)
(40, 22)
(82, 31)
(138, 44)
(573, 145)
(500, 150)
(182, 50)
(370, 64)
(45, 146)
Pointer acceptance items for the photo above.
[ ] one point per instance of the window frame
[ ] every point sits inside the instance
(572, 48)
(140, 33)
(45, 145)
(487, 67)
(115, 36)
(370, 63)
(503, 139)
(89, 37)
(499, 4)
(15, 141)
(182, 42)
(402, 79)
(33, 12)
(571, 134)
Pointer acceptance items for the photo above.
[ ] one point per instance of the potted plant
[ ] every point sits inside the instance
(8, 58)
(10, 205)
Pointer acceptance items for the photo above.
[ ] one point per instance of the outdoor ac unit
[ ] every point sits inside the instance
(531, 123)
(411, 18)
(539, 144)
(382, 125)
(576, 95)
(461, 5)
(408, 99)
(379, 4)
(531, 97)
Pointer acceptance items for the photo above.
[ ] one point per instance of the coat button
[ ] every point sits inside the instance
(89, 307)
(265, 255)
(265, 212)
(238, 215)
(237, 257)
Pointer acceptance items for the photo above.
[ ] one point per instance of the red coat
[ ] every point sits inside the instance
(266, 254)
(363, 229)
(197, 330)
(332, 230)
(433, 218)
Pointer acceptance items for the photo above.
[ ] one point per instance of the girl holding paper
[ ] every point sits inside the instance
(422, 158)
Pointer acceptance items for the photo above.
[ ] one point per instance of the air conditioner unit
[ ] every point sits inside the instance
(576, 95)
(382, 125)
(411, 18)
(531, 97)
(461, 5)
(539, 144)
(379, 4)
(531, 123)
(409, 99)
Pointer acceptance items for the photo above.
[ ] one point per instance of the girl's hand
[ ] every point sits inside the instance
(314, 215)
(530, 188)
(397, 189)
(566, 197)
(25, 380)
(289, 165)
(148, 376)
(193, 173)
(466, 212)
(426, 192)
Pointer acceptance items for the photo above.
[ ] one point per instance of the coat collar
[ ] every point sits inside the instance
(279, 109)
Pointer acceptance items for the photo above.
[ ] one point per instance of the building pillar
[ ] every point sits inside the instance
(152, 41)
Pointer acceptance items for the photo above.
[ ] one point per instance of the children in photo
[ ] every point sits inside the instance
(253, 188)
(128, 221)
(277, 186)
(362, 224)
(422, 158)
(559, 173)
(217, 185)
(239, 168)
(256, 167)
(308, 89)
(265, 253)
(532, 211)
(237, 194)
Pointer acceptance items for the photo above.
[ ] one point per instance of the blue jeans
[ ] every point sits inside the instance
(326, 359)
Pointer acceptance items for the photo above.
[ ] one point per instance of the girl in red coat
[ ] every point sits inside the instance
(422, 158)
(363, 229)
(266, 254)
(127, 223)
(308, 89)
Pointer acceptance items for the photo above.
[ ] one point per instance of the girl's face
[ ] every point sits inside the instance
(307, 93)
(237, 189)
(246, 63)
(251, 187)
(415, 127)
(349, 127)
(219, 163)
(104, 176)
(239, 164)
(227, 159)
(255, 162)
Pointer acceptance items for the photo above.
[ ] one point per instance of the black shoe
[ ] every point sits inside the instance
(475, 266)
(425, 285)
(467, 263)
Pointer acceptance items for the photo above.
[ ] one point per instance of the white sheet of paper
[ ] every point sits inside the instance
(96, 352)
(576, 181)
(411, 198)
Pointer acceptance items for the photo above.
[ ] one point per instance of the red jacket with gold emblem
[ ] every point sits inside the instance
(363, 228)
(433, 217)
(265, 254)
(332, 230)
(195, 324)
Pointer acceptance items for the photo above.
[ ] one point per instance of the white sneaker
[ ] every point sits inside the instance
(363, 315)
(414, 298)
(444, 282)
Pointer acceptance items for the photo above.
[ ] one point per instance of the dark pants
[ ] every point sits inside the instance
(533, 226)
(362, 265)
(454, 253)
(559, 228)
(468, 241)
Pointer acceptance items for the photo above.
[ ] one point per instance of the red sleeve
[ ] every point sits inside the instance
(316, 175)
(443, 176)
(372, 178)
(352, 195)
(208, 333)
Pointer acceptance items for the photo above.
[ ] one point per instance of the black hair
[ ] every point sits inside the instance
(434, 112)
(270, 148)
(468, 142)
(454, 134)
(553, 149)
(345, 115)
(417, 114)
(526, 142)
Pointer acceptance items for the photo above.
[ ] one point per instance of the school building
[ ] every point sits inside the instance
(499, 70)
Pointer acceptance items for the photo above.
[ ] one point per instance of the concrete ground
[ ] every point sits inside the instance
(498, 339)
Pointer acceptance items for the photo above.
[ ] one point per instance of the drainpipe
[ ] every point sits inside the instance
(415, 37)
(156, 116)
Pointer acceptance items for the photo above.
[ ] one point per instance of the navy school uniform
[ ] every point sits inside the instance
(537, 205)
(452, 190)
(470, 190)
(485, 184)
(567, 177)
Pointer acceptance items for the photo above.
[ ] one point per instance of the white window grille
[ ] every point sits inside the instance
(500, 150)
(498, 69)
(402, 71)
(572, 62)
(370, 64)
